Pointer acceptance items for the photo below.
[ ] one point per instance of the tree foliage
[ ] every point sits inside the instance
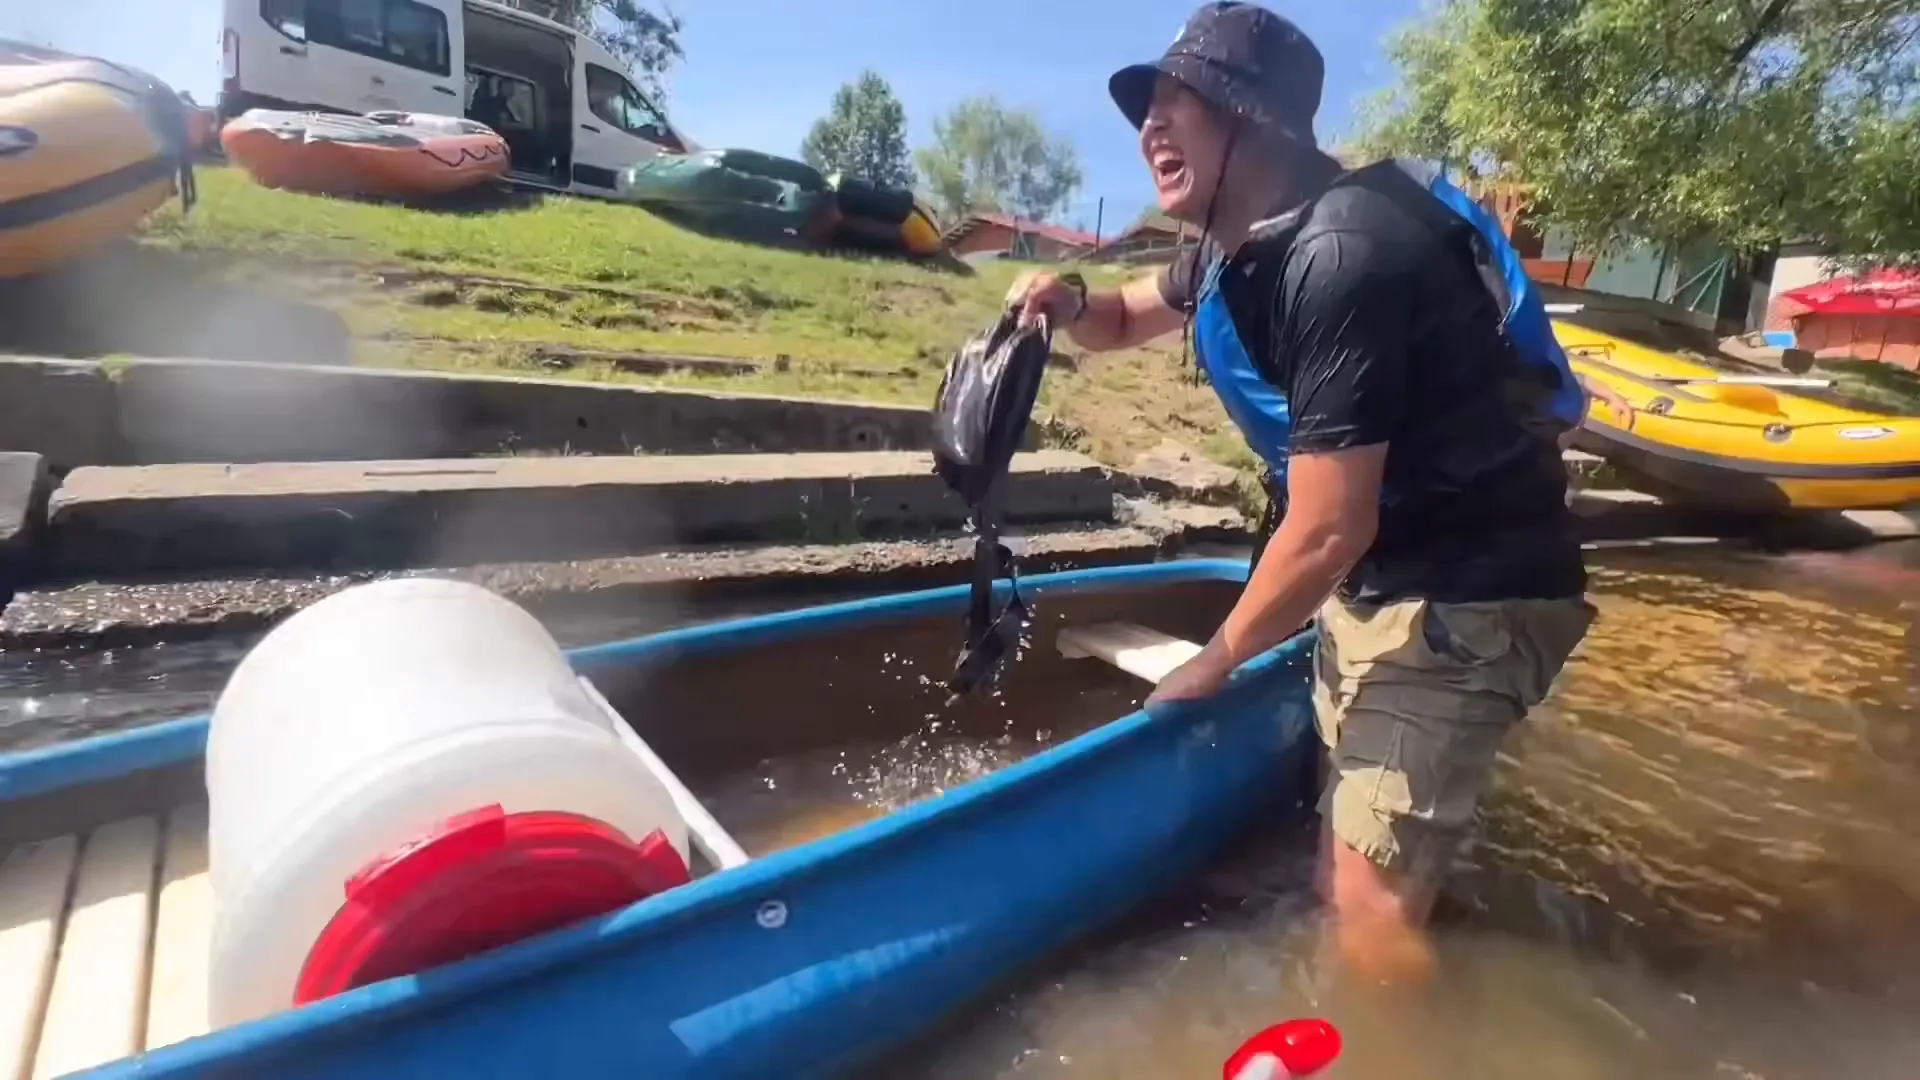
(864, 134)
(985, 156)
(1747, 121)
(647, 41)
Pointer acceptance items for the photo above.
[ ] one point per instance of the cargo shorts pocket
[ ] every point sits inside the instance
(1513, 648)
(1404, 788)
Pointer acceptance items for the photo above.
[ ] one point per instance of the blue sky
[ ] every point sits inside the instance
(759, 72)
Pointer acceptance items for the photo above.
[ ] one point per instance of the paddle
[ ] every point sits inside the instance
(1288, 1051)
(1783, 381)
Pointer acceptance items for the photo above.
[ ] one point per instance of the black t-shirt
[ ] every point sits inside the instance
(1378, 328)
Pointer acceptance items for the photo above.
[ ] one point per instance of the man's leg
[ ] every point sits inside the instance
(1413, 701)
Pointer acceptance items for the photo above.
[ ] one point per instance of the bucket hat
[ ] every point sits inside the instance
(1242, 59)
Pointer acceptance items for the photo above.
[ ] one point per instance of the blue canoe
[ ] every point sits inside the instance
(808, 962)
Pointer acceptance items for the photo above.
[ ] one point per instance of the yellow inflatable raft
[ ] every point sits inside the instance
(1741, 440)
(87, 150)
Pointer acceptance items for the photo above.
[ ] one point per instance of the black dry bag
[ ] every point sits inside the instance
(979, 420)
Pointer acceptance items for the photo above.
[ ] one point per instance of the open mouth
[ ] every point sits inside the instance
(1169, 168)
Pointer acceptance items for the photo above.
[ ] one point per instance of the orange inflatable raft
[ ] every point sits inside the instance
(385, 155)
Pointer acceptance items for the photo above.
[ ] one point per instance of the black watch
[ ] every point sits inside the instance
(1078, 284)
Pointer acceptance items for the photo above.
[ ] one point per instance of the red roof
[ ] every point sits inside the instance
(1056, 233)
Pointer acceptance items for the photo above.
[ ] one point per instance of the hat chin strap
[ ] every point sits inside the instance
(1187, 359)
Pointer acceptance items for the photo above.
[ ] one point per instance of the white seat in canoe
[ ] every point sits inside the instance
(1134, 649)
(92, 969)
(182, 933)
(34, 879)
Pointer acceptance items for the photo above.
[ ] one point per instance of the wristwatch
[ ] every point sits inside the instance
(1078, 284)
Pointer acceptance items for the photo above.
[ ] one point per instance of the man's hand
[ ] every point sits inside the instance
(1041, 292)
(1122, 318)
(1202, 676)
(1617, 405)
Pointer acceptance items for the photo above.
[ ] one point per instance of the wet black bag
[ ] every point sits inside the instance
(979, 420)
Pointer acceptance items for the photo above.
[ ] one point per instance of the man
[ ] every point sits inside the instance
(1343, 322)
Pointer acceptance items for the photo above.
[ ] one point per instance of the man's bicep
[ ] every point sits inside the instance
(1347, 321)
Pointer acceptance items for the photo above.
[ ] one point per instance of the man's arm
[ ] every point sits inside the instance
(1111, 319)
(1123, 318)
(1346, 350)
(1333, 514)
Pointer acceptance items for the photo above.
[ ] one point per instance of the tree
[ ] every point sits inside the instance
(864, 134)
(647, 41)
(988, 157)
(1750, 122)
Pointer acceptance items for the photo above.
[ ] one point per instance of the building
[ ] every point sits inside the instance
(1152, 238)
(1547, 255)
(992, 233)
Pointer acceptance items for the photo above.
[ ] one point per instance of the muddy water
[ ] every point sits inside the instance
(1700, 860)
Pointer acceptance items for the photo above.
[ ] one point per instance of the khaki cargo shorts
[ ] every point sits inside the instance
(1413, 700)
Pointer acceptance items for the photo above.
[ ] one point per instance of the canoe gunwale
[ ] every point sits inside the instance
(740, 890)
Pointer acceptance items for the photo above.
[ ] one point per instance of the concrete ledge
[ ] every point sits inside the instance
(147, 412)
(23, 508)
(1633, 515)
(63, 410)
(101, 615)
(172, 519)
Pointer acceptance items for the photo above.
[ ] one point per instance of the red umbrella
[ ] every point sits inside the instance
(1881, 292)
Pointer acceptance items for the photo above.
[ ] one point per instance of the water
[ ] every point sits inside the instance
(1698, 862)
(51, 695)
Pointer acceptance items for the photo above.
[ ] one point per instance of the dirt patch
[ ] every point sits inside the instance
(451, 287)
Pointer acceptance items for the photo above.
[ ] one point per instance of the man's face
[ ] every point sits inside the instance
(1185, 145)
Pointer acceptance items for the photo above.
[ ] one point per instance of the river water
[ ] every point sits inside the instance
(1700, 859)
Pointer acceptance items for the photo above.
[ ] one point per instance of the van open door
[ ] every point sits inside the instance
(616, 126)
(520, 82)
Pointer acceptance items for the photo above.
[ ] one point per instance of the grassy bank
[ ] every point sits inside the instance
(509, 289)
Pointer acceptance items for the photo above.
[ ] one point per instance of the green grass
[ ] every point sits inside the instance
(593, 274)
(492, 291)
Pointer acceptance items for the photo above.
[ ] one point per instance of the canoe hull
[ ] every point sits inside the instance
(822, 957)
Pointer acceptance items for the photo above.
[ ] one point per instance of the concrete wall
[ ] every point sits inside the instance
(169, 411)
(170, 519)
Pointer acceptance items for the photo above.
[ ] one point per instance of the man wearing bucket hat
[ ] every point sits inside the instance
(1347, 323)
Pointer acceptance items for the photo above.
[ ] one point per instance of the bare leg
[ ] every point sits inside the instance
(1378, 917)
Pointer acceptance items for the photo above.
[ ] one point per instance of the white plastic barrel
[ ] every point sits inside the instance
(354, 733)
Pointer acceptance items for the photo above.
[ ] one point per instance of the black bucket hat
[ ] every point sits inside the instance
(1243, 60)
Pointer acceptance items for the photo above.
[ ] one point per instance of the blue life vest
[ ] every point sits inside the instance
(1527, 324)
(1260, 410)
(1256, 406)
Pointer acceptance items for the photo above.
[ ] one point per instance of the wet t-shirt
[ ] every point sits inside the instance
(1378, 329)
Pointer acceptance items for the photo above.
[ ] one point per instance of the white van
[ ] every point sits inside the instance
(568, 112)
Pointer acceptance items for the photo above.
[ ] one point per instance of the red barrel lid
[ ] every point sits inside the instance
(1286, 1051)
(481, 880)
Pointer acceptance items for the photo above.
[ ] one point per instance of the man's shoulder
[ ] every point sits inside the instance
(1365, 218)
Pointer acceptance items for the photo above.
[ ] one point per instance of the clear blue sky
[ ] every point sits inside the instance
(759, 72)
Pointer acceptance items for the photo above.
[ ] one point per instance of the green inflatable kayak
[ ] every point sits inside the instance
(741, 192)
